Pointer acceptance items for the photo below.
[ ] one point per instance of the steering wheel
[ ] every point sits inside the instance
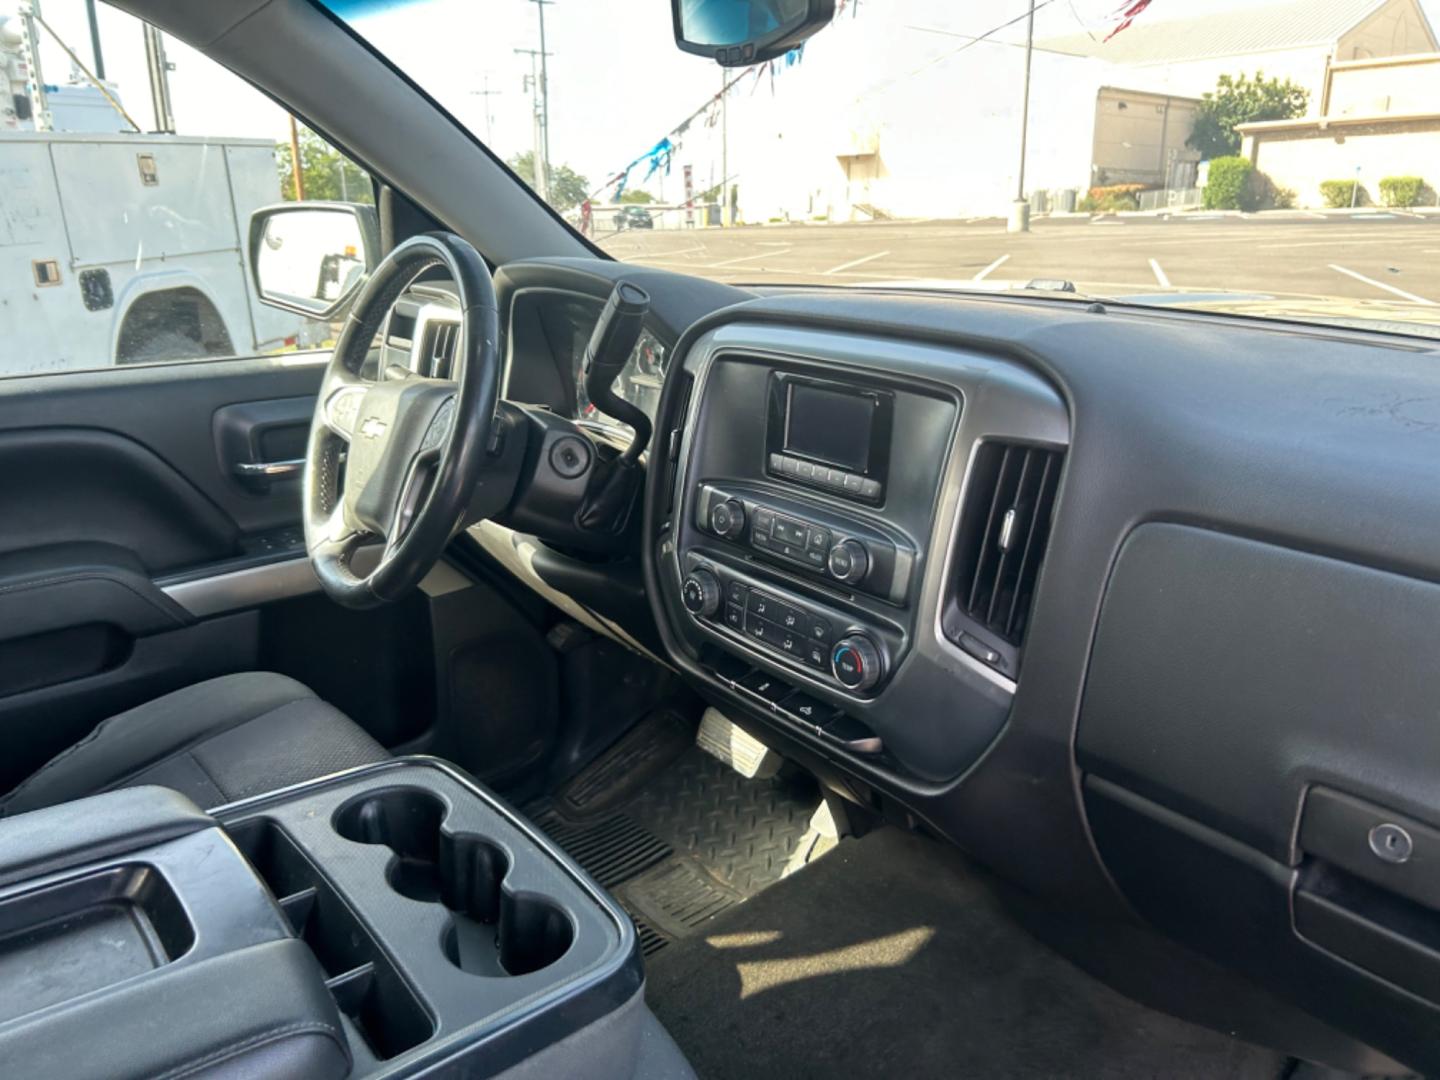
(397, 458)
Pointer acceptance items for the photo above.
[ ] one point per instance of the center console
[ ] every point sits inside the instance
(806, 537)
(810, 496)
(394, 920)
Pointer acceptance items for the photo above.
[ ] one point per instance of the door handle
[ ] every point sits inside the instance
(268, 470)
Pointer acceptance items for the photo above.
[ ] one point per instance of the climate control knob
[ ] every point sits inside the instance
(700, 593)
(857, 662)
(727, 519)
(849, 561)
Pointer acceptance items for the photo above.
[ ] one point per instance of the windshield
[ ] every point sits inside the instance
(1278, 159)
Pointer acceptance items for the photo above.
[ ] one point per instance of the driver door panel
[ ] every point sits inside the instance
(119, 483)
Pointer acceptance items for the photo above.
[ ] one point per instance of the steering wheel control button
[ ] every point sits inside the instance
(855, 662)
(570, 457)
(727, 519)
(735, 616)
(849, 561)
(1391, 843)
(700, 593)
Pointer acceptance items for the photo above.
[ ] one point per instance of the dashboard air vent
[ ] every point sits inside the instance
(437, 352)
(1004, 527)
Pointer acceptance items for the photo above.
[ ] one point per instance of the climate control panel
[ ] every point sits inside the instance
(826, 643)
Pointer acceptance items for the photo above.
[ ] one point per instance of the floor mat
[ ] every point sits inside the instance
(677, 836)
(892, 957)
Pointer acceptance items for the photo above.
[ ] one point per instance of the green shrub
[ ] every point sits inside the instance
(1229, 185)
(1401, 190)
(1339, 193)
(1108, 203)
(1265, 194)
(1106, 191)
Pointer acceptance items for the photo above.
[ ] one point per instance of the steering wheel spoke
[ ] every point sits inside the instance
(340, 405)
(399, 457)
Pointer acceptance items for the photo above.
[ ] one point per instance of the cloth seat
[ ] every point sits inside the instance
(216, 742)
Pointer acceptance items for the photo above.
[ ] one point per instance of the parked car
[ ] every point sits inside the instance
(633, 217)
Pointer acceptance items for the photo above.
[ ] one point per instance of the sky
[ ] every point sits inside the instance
(617, 82)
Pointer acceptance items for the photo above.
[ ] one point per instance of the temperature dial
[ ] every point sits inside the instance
(856, 662)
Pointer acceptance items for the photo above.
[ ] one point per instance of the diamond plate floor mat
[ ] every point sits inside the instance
(692, 839)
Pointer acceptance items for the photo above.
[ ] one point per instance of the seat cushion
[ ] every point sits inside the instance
(216, 741)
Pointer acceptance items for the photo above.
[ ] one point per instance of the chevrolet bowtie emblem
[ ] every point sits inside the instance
(373, 427)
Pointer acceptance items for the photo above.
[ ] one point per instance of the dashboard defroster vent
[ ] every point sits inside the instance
(437, 352)
(1004, 529)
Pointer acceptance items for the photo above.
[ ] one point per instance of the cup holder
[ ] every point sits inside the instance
(491, 930)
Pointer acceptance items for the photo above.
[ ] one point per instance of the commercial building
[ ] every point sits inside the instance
(879, 119)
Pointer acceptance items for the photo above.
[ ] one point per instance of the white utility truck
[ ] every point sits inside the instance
(131, 244)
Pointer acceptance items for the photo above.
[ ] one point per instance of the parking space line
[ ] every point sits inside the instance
(663, 254)
(746, 258)
(1159, 274)
(1382, 285)
(857, 262)
(983, 274)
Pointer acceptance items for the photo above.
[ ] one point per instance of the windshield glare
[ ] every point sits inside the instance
(1269, 158)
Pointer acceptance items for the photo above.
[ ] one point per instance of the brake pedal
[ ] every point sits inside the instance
(721, 738)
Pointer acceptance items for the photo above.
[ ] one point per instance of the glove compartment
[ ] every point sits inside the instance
(1258, 730)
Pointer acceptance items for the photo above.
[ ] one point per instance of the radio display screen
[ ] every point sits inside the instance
(830, 425)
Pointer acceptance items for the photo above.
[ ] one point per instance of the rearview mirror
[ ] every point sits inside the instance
(739, 32)
(310, 257)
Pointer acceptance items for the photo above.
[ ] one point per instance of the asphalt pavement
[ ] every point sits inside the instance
(1374, 255)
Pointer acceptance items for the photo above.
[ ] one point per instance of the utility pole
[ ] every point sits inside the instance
(159, 70)
(542, 164)
(725, 221)
(95, 39)
(485, 95)
(297, 174)
(1020, 211)
(540, 6)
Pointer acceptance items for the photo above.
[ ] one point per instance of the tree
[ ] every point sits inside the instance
(637, 196)
(328, 174)
(567, 187)
(1242, 100)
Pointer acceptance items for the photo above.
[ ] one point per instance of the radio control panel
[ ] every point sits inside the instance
(847, 552)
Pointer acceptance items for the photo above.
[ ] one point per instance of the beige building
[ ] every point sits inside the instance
(1296, 40)
(1379, 118)
(882, 121)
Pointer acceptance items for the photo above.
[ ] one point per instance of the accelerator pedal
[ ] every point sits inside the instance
(723, 740)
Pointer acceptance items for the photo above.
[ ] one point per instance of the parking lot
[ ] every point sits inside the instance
(1377, 255)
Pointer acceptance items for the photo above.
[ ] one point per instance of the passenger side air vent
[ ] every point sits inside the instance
(437, 351)
(1004, 528)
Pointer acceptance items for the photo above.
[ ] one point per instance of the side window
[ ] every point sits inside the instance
(129, 167)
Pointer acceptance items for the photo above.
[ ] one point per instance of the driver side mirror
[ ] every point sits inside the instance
(311, 257)
(740, 32)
